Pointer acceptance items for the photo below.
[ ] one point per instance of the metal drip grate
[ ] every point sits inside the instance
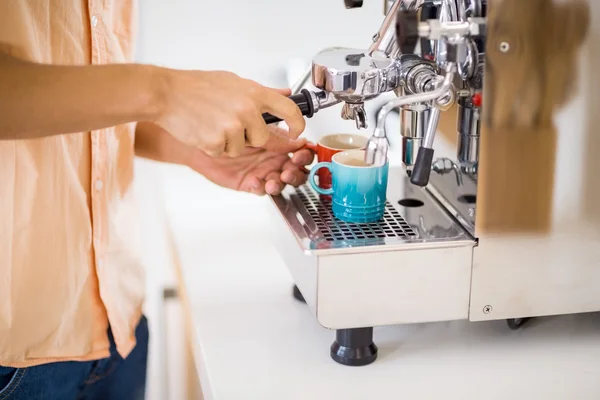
(391, 226)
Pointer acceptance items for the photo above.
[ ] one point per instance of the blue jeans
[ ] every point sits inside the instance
(112, 378)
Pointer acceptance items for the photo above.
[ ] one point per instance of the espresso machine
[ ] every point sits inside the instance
(476, 234)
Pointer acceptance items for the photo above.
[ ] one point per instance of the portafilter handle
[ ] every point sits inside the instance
(304, 101)
(308, 102)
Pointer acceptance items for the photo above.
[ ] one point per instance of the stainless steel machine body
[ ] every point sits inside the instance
(426, 261)
(384, 273)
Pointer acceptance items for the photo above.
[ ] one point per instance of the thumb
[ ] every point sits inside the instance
(280, 142)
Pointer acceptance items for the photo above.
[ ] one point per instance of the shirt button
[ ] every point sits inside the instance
(94, 20)
(99, 185)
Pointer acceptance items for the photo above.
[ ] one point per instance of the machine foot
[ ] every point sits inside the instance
(354, 347)
(297, 295)
(516, 323)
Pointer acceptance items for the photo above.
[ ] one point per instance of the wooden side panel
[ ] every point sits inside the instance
(447, 125)
(524, 87)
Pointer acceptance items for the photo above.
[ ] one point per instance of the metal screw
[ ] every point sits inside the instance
(487, 309)
(504, 47)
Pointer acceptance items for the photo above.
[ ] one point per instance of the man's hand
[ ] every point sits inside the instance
(221, 113)
(260, 171)
(257, 170)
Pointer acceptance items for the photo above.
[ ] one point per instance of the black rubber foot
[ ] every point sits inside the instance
(297, 295)
(354, 347)
(516, 323)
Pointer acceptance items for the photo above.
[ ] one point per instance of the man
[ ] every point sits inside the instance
(73, 114)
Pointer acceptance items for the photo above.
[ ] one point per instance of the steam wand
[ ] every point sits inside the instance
(451, 35)
(377, 146)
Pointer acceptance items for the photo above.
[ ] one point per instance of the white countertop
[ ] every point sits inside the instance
(254, 341)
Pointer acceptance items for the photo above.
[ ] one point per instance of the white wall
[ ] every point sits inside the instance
(250, 37)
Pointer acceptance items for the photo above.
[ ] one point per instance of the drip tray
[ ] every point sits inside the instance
(391, 226)
(412, 219)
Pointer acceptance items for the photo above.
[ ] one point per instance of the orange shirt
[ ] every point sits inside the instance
(68, 256)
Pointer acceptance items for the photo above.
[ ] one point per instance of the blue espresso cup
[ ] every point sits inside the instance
(358, 192)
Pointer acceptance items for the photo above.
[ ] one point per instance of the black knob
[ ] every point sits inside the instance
(353, 3)
(422, 168)
(407, 31)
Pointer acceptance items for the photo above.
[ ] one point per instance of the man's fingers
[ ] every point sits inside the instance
(277, 131)
(292, 174)
(280, 106)
(256, 186)
(235, 145)
(280, 142)
(257, 133)
(274, 186)
(303, 157)
(293, 177)
(285, 92)
(214, 153)
(284, 145)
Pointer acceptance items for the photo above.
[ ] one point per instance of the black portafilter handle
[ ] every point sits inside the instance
(407, 31)
(304, 102)
(422, 168)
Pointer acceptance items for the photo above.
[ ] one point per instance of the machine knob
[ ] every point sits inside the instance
(407, 31)
(353, 3)
(476, 100)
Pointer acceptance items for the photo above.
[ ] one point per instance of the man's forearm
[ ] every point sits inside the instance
(43, 100)
(154, 143)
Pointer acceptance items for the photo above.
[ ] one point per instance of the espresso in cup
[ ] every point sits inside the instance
(330, 145)
(358, 192)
